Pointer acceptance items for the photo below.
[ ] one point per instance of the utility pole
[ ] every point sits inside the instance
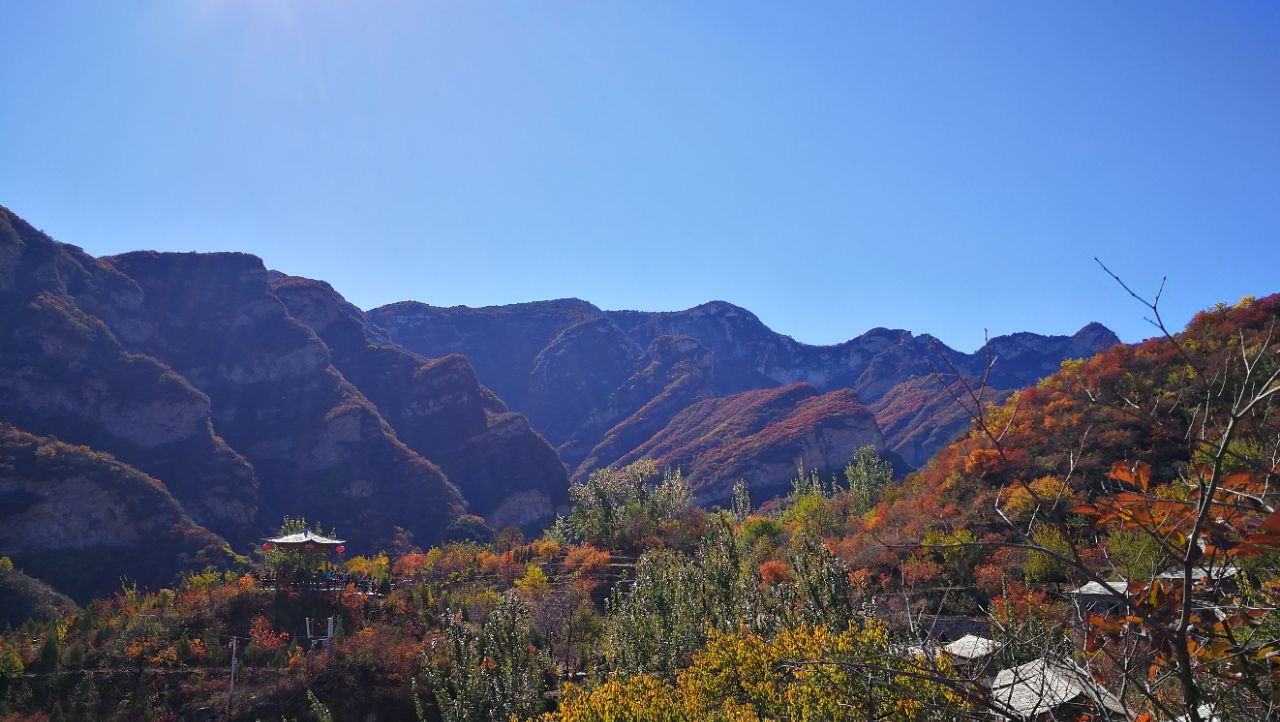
(232, 688)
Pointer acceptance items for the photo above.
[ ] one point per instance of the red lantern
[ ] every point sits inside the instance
(341, 549)
(266, 547)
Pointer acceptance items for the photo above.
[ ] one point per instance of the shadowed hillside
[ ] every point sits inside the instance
(599, 384)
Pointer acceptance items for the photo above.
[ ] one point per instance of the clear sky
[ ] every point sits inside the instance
(943, 167)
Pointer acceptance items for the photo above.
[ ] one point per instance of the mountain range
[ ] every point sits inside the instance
(161, 411)
(606, 386)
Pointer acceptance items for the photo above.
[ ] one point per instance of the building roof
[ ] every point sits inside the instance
(1206, 713)
(1034, 688)
(1121, 586)
(971, 646)
(914, 650)
(304, 537)
(1199, 573)
(1104, 589)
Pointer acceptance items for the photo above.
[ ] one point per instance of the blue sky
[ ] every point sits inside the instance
(942, 167)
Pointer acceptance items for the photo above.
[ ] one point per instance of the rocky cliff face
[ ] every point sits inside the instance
(761, 437)
(438, 408)
(64, 371)
(502, 342)
(80, 519)
(576, 373)
(586, 387)
(320, 448)
(674, 373)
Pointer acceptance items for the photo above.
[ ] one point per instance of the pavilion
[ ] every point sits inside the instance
(306, 542)
(309, 554)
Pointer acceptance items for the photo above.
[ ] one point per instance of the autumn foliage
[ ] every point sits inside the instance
(1147, 474)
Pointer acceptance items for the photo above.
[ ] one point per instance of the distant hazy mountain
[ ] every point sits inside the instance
(603, 384)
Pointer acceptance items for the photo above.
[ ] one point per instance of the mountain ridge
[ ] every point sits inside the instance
(518, 348)
(708, 307)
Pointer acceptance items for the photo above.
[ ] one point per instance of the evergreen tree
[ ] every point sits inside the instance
(867, 475)
(47, 659)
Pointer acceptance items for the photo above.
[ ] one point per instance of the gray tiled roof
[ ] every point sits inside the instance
(1036, 687)
(971, 646)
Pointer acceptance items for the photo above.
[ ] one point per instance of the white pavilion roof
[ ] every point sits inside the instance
(303, 537)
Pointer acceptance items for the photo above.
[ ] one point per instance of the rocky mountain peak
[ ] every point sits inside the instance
(1092, 336)
(722, 309)
(879, 338)
(212, 273)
